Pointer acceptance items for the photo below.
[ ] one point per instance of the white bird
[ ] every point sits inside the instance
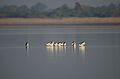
(50, 44)
(59, 43)
(56, 44)
(27, 45)
(74, 43)
(82, 43)
(64, 43)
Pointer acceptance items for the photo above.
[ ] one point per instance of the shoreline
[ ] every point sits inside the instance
(60, 21)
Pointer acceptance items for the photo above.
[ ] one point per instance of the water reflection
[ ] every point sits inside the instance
(65, 50)
(56, 50)
(74, 49)
(27, 51)
(50, 49)
(61, 50)
(82, 52)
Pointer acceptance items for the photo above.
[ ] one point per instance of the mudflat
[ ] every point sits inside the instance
(73, 20)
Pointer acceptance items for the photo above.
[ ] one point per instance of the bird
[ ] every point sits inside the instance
(59, 43)
(74, 43)
(50, 44)
(27, 44)
(56, 44)
(82, 43)
(64, 43)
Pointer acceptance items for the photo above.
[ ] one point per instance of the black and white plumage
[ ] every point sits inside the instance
(27, 45)
(82, 43)
(74, 43)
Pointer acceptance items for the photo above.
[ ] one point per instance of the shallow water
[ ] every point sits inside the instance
(99, 59)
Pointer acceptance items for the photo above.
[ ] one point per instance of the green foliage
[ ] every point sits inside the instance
(77, 11)
(63, 11)
(39, 7)
(23, 11)
(9, 11)
(40, 10)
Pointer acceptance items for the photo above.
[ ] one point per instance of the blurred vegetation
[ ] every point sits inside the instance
(40, 10)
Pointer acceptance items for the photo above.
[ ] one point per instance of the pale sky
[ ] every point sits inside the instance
(57, 3)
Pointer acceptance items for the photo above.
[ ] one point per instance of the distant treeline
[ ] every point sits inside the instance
(40, 10)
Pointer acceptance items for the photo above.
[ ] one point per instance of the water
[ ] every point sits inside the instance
(99, 59)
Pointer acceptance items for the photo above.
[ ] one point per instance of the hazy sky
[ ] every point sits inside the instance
(57, 3)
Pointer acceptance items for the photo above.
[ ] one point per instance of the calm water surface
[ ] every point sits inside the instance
(99, 59)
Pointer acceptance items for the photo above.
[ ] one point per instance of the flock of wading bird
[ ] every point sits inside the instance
(55, 44)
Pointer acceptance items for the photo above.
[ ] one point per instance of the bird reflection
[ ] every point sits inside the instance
(56, 48)
(74, 45)
(55, 51)
(27, 48)
(74, 49)
(64, 49)
(50, 50)
(59, 48)
(82, 51)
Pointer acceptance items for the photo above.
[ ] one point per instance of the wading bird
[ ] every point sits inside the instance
(27, 45)
(82, 43)
(74, 44)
